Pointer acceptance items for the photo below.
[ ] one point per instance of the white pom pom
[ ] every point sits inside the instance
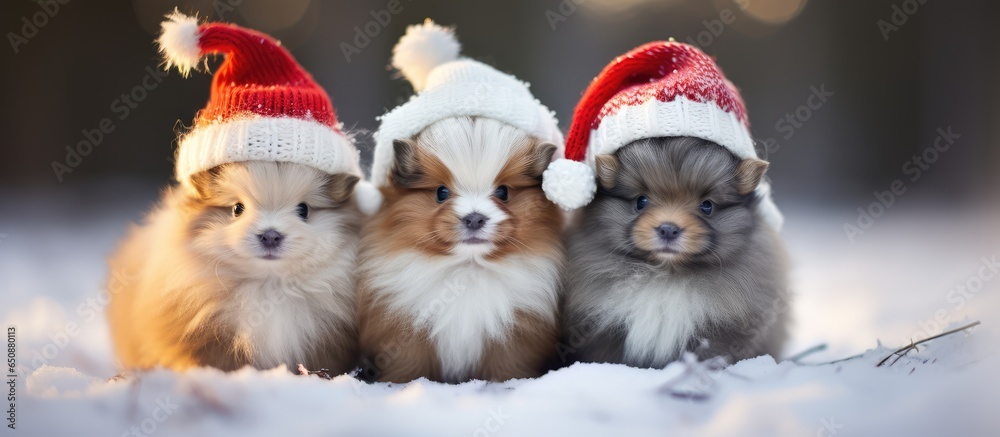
(423, 47)
(767, 209)
(367, 197)
(569, 184)
(179, 42)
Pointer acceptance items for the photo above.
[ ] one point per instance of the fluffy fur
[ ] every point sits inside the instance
(718, 288)
(202, 289)
(439, 301)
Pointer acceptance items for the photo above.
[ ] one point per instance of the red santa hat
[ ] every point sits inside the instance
(660, 89)
(263, 106)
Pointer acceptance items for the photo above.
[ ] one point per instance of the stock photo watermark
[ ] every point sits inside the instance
(901, 13)
(829, 427)
(87, 312)
(223, 7)
(147, 426)
(494, 421)
(958, 296)
(121, 108)
(914, 168)
(562, 12)
(12, 377)
(262, 311)
(33, 24)
(364, 34)
(802, 114)
(797, 118)
(713, 29)
(576, 337)
(697, 381)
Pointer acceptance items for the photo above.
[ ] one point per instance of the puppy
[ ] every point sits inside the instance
(672, 256)
(460, 272)
(251, 267)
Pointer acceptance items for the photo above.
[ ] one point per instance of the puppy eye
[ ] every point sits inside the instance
(238, 209)
(706, 207)
(641, 202)
(303, 210)
(502, 193)
(442, 193)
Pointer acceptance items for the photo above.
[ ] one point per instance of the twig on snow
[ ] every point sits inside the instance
(799, 356)
(322, 373)
(901, 352)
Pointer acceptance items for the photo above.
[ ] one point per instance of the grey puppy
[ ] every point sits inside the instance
(671, 256)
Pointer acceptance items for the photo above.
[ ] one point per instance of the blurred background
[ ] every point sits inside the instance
(930, 66)
(845, 97)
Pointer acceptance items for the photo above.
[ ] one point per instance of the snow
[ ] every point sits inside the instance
(894, 283)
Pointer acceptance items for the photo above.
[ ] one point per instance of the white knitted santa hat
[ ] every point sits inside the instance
(661, 89)
(450, 86)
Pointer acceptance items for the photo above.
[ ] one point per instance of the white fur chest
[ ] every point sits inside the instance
(279, 321)
(660, 315)
(464, 303)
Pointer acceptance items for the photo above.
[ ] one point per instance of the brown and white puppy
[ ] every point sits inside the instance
(460, 271)
(252, 267)
(672, 256)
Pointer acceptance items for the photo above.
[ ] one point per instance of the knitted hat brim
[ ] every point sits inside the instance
(258, 138)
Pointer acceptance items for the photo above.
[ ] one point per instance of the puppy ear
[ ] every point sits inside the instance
(607, 170)
(749, 174)
(204, 182)
(341, 186)
(405, 165)
(541, 156)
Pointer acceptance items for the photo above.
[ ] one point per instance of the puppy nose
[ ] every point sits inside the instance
(668, 231)
(474, 221)
(271, 239)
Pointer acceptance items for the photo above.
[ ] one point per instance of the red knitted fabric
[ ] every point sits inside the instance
(660, 70)
(258, 77)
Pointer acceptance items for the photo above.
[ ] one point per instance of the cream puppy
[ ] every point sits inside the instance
(254, 267)
(249, 259)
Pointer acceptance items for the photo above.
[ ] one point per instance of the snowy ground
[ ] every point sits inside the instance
(896, 282)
